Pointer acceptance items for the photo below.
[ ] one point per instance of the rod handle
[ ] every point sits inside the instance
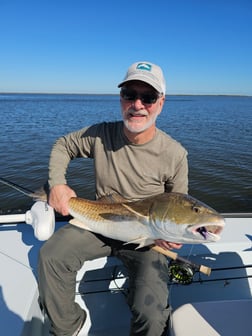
(173, 255)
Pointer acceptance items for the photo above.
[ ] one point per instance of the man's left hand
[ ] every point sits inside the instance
(167, 245)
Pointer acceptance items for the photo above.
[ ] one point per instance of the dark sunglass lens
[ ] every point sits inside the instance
(149, 98)
(132, 95)
(128, 94)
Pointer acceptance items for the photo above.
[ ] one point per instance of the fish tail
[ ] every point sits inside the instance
(38, 195)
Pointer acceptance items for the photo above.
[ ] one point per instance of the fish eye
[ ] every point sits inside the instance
(196, 209)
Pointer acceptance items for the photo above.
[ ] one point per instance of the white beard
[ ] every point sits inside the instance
(133, 127)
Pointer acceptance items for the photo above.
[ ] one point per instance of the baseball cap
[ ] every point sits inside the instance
(146, 72)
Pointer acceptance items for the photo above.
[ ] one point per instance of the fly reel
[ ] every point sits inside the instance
(181, 272)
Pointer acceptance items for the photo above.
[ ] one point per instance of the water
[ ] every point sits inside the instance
(216, 130)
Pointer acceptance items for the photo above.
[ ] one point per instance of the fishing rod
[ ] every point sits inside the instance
(118, 288)
(39, 194)
(124, 277)
(226, 279)
(180, 270)
(231, 268)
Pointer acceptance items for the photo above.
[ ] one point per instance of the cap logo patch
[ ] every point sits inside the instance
(144, 66)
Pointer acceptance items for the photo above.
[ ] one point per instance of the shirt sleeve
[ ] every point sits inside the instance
(64, 150)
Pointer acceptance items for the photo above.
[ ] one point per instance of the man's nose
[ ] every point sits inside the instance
(138, 105)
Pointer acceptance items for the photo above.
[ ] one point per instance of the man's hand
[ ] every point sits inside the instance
(167, 245)
(59, 197)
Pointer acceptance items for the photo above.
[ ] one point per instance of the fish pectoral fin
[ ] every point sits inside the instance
(143, 241)
(135, 212)
(77, 222)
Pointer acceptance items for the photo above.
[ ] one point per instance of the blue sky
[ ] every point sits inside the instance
(79, 46)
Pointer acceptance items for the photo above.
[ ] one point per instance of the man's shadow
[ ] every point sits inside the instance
(104, 292)
(228, 275)
(8, 317)
(11, 322)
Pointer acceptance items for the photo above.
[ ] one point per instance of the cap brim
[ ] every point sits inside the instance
(144, 79)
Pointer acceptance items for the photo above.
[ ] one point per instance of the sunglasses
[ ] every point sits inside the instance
(149, 97)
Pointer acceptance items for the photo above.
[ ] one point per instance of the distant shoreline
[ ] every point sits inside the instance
(117, 94)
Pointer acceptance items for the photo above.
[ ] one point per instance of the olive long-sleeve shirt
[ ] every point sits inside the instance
(133, 171)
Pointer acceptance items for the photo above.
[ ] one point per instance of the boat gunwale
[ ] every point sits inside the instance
(236, 214)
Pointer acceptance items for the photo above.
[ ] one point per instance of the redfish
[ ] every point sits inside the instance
(173, 217)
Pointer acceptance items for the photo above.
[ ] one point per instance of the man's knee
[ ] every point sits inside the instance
(149, 313)
(150, 322)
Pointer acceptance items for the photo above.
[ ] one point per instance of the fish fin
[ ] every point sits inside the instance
(143, 241)
(40, 194)
(112, 198)
(117, 198)
(77, 222)
(128, 207)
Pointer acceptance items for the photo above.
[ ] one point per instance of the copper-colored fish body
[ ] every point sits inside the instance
(174, 217)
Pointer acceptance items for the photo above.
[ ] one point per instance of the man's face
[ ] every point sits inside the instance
(140, 106)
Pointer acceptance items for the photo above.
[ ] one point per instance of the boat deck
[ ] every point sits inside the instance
(101, 285)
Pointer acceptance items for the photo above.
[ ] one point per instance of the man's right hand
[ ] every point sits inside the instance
(59, 196)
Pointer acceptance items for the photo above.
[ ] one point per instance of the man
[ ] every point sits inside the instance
(134, 159)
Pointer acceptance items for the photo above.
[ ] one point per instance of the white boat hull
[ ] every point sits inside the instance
(101, 284)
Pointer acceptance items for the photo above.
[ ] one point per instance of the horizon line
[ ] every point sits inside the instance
(117, 94)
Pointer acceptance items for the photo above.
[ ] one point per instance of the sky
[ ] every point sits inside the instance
(86, 46)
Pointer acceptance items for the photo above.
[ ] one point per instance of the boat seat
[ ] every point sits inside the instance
(225, 318)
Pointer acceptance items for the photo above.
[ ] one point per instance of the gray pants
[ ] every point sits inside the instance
(64, 254)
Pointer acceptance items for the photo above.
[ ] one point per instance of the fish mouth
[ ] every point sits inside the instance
(210, 232)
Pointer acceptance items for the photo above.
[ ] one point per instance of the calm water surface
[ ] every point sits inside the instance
(216, 131)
